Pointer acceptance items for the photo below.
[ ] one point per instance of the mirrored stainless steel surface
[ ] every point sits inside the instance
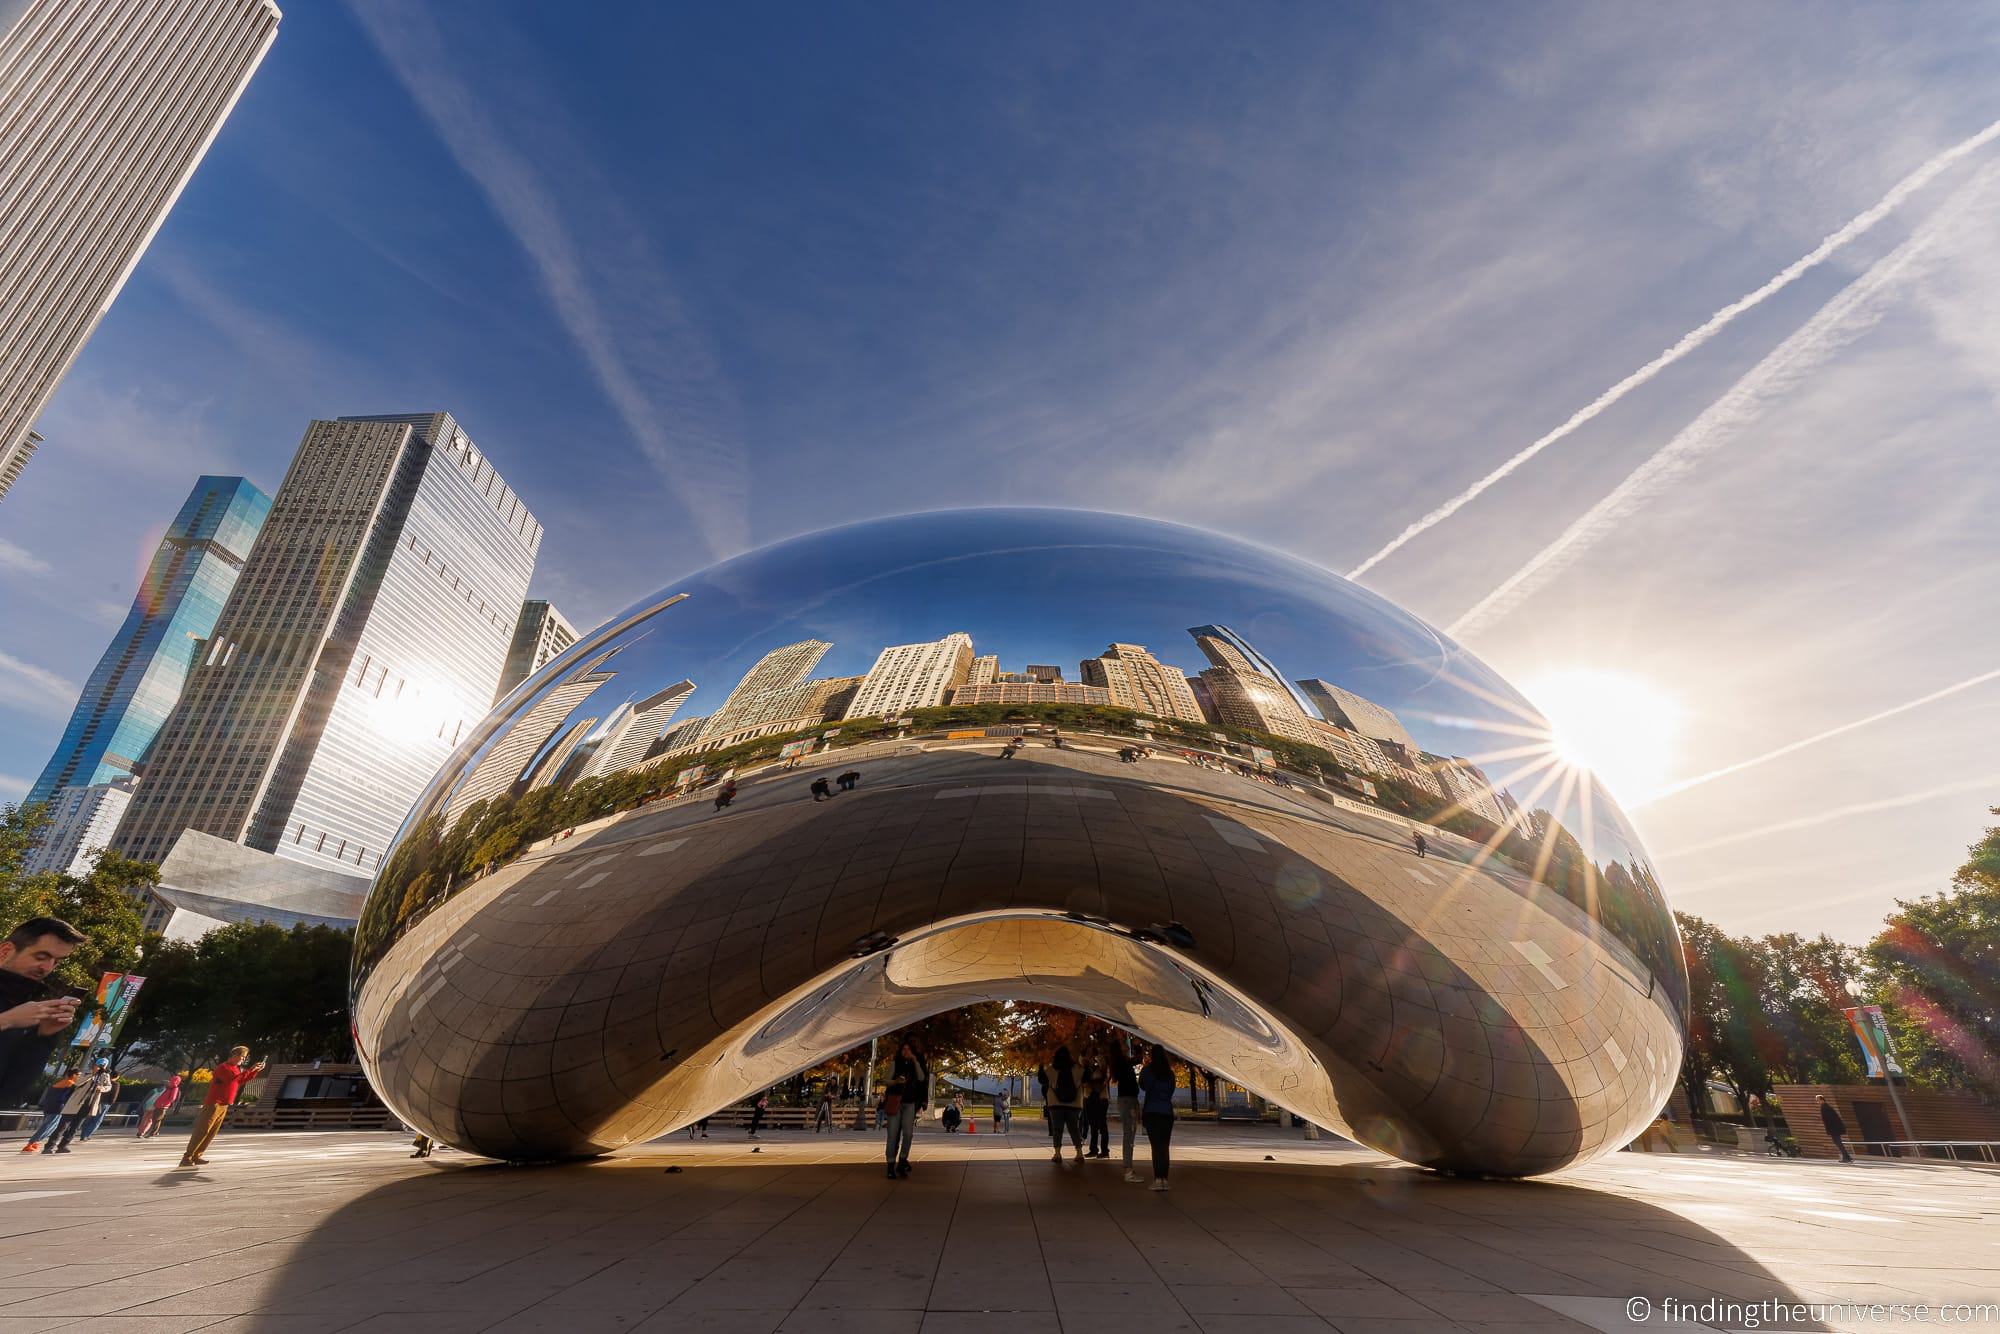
(1164, 777)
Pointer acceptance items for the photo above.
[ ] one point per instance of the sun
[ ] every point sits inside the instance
(1623, 729)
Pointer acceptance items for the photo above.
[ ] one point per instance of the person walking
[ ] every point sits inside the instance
(422, 1146)
(821, 789)
(909, 1091)
(757, 1113)
(88, 1094)
(953, 1114)
(725, 794)
(823, 1118)
(161, 1101)
(1062, 1101)
(1156, 1085)
(225, 1082)
(848, 780)
(53, 1098)
(30, 1019)
(1125, 1079)
(1417, 839)
(1836, 1128)
(701, 1125)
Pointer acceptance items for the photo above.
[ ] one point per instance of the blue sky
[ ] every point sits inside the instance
(700, 279)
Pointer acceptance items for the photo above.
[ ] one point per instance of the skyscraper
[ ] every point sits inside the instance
(760, 689)
(81, 822)
(913, 676)
(1225, 648)
(135, 684)
(540, 634)
(632, 735)
(507, 761)
(1349, 710)
(363, 639)
(1138, 680)
(106, 107)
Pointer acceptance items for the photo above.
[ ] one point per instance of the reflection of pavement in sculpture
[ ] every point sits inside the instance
(614, 986)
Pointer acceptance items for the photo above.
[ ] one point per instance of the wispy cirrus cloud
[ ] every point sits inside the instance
(656, 370)
(30, 689)
(18, 560)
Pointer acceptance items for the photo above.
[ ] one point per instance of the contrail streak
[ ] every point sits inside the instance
(1859, 225)
(1840, 813)
(1838, 322)
(1814, 739)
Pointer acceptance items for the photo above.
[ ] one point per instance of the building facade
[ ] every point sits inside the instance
(540, 634)
(507, 761)
(106, 108)
(1031, 692)
(82, 821)
(762, 695)
(631, 735)
(1138, 680)
(913, 676)
(1225, 648)
(1347, 709)
(136, 683)
(364, 637)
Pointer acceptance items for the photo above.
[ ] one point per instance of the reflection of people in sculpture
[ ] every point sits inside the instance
(848, 780)
(821, 789)
(726, 794)
(1417, 840)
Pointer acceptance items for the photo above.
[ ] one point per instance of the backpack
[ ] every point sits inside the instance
(1066, 1084)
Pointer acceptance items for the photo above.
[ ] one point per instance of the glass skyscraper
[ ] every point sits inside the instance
(363, 641)
(129, 695)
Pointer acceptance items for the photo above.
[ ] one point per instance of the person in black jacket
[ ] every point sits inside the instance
(910, 1087)
(30, 1020)
(1835, 1127)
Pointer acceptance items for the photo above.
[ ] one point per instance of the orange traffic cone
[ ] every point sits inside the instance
(971, 1126)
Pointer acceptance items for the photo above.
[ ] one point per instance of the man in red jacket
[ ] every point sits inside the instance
(227, 1078)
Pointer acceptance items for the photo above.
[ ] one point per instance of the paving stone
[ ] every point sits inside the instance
(329, 1233)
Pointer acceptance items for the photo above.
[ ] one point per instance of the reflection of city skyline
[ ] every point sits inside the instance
(1242, 688)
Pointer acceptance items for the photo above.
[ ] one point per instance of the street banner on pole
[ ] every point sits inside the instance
(1872, 1032)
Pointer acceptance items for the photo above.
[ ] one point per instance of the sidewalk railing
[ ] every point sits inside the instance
(1956, 1150)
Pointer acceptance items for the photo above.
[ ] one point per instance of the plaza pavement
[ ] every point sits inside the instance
(1263, 1233)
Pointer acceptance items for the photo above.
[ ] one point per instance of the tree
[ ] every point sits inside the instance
(1725, 1023)
(1804, 1038)
(1936, 969)
(282, 993)
(104, 904)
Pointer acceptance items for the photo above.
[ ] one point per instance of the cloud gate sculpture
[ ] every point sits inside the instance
(1192, 786)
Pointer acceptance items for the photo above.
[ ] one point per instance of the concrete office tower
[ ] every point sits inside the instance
(136, 683)
(631, 737)
(985, 670)
(539, 635)
(1031, 692)
(106, 107)
(81, 823)
(1346, 709)
(790, 709)
(363, 639)
(1138, 680)
(913, 676)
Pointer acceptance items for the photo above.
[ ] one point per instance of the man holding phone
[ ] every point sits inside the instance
(30, 1020)
(225, 1080)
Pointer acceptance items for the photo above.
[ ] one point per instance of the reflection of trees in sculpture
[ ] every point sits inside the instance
(434, 861)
